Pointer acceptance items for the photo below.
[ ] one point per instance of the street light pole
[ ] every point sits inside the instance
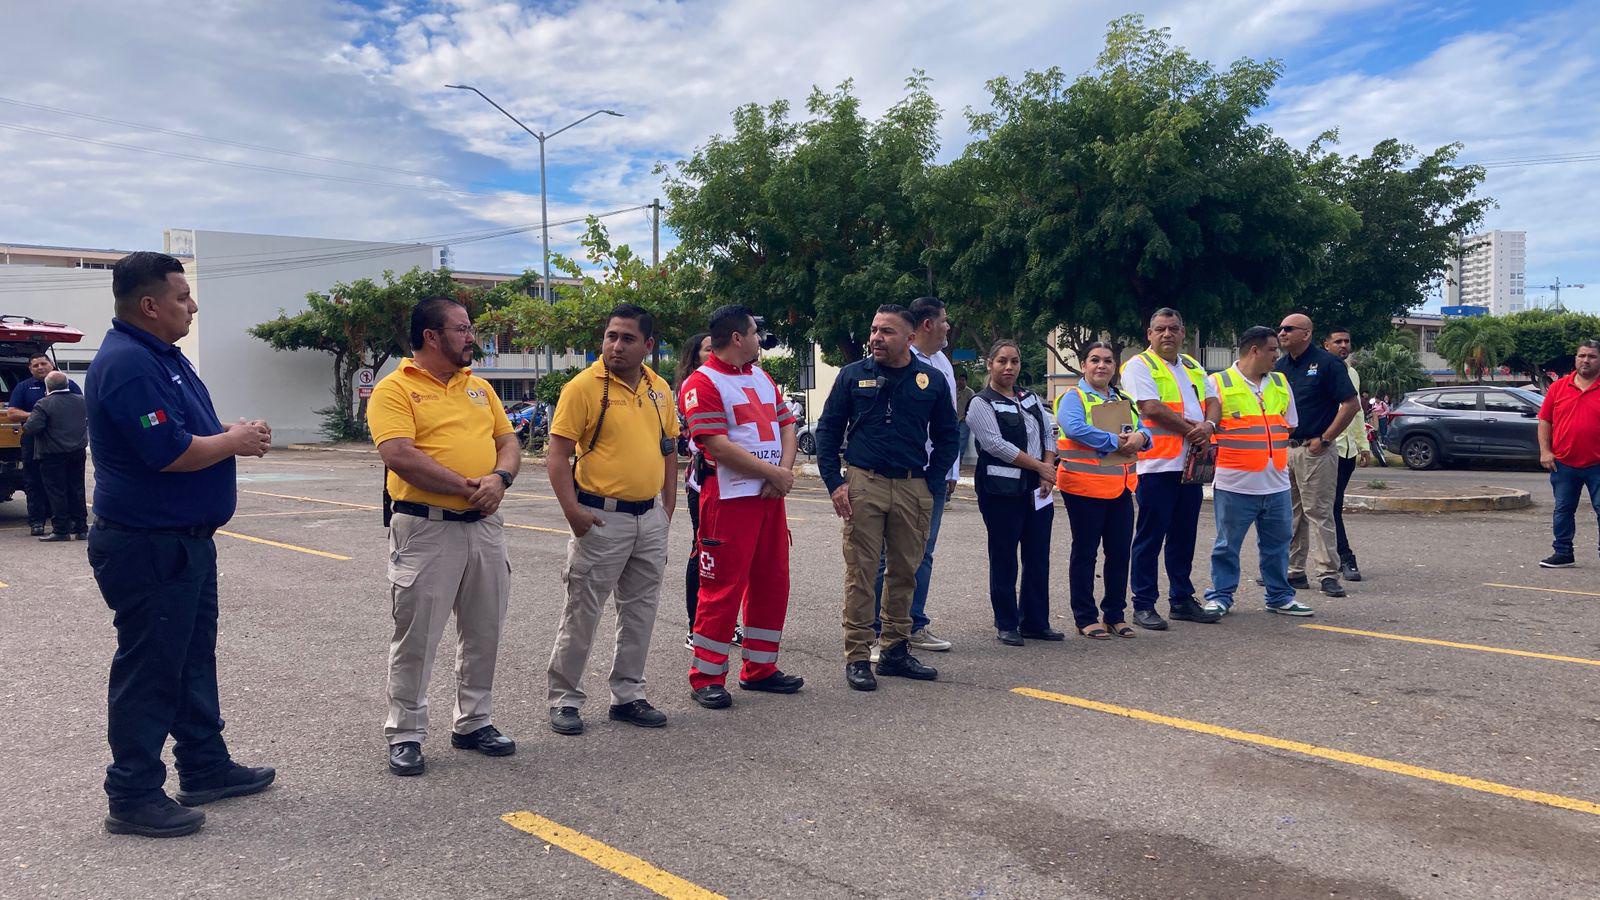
(544, 196)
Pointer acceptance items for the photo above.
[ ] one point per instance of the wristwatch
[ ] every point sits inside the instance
(505, 476)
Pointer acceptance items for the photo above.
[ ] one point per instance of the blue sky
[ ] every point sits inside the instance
(364, 83)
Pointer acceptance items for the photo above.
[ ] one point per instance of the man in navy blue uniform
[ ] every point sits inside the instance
(164, 483)
(28, 392)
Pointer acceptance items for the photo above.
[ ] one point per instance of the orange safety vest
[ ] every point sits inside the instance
(1254, 432)
(1078, 469)
(1169, 444)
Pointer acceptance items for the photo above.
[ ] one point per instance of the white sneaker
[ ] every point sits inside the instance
(923, 639)
(874, 653)
(1214, 606)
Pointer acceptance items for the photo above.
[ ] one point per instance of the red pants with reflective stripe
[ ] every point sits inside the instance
(743, 545)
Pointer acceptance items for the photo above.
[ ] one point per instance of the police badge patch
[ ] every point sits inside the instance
(922, 380)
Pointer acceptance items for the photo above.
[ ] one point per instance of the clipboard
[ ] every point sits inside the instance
(1115, 416)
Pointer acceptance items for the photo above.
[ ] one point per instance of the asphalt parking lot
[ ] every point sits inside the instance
(1435, 734)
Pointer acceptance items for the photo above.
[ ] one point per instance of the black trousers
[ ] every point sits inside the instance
(33, 485)
(162, 589)
(63, 482)
(1347, 468)
(1169, 515)
(691, 571)
(1097, 523)
(1015, 525)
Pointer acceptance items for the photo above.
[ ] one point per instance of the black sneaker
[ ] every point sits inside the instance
(1332, 587)
(1350, 570)
(1558, 561)
(712, 696)
(899, 662)
(565, 720)
(235, 781)
(161, 818)
(1187, 610)
(1299, 582)
(640, 713)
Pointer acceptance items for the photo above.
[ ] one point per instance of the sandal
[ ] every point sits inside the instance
(1121, 629)
(1095, 632)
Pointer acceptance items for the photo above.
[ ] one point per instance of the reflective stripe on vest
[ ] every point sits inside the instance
(1078, 469)
(1166, 444)
(1254, 433)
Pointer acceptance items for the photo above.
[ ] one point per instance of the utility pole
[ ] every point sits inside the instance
(655, 232)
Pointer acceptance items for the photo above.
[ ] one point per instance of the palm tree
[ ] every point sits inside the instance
(1476, 345)
(1390, 368)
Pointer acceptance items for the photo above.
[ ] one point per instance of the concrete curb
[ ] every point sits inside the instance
(329, 448)
(1490, 498)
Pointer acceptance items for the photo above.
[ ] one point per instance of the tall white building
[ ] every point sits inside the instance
(1490, 271)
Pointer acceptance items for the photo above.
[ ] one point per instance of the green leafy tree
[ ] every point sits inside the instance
(548, 388)
(1413, 209)
(1475, 346)
(811, 223)
(1544, 342)
(361, 324)
(1390, 368)
(784, 369)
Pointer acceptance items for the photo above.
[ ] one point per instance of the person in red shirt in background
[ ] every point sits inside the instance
(747, 433)
(1569, 446)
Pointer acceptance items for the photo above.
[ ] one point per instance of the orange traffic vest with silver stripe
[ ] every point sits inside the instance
(1169, 444)
(1078, 469)
(1254, 433)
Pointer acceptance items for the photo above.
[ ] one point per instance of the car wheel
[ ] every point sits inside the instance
(808, 444)
(1420, 453)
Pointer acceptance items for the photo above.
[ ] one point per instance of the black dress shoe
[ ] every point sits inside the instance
(1043, 634)
(486, 740)
(36, 530)
(776, 683)
(1299, 583)
(1189, 611)
(405, 758)
(565, 720)
(235, 781)
(859, 675)
(160, 819)
(1332, 587)
(1012, 638)
(1149, 618)
(640, 713)
(898, 661)
(56, 537)
(712, 696)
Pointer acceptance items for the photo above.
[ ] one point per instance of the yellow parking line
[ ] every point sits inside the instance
(297, 549)
(4, 585)
(308, 499)
(1530, 587)
(1354, 759)
(609, 858)
(1459, 646)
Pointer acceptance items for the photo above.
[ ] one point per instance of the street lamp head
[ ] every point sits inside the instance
(612, 112)
(461, 87)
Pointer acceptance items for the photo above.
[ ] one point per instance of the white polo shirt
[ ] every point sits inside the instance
(1138, 384)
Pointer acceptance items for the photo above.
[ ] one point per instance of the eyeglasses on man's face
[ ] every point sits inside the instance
(463, 330)
(1283, 328)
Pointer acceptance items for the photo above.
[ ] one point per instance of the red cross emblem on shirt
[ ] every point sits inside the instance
(754, 411)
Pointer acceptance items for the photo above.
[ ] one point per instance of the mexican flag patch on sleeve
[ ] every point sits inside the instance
(151, 420)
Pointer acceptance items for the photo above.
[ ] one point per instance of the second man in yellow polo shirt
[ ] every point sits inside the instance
(617, 420)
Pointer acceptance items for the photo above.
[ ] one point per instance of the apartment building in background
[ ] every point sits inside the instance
(1490, 271)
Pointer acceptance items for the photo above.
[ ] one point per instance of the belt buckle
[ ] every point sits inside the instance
(610, 504)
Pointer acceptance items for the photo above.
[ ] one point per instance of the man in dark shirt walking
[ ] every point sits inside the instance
(1326, 402)
(164, 483)
(59, 429)
(886, 408)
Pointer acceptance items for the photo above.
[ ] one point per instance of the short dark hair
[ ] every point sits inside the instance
(1253, 337)
(1338, 329)
(727, 321)
(640, 315)
(39, 354)
(686, 356)
(895, 309)
(1592, 344)
(925, 308)
(428, 315)
(133, 275)
(1164, 312)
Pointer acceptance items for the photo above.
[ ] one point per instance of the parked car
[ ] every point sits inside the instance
(1445, 425)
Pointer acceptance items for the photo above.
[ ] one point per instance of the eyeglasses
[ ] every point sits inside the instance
(1283, 328)
(463, 330)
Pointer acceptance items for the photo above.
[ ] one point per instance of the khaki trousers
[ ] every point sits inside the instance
(436, 567)
(626, 556)
(886, 512)
(1313, 481)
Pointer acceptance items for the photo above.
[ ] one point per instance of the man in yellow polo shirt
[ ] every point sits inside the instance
(451, 453)
(618, 419)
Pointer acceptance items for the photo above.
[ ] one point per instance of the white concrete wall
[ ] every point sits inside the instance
(238, 286)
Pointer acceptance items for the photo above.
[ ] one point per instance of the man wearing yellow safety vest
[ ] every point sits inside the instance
(1178, 404)
(1252, 482)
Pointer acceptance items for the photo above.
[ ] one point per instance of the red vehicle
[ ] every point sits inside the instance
(20, 338)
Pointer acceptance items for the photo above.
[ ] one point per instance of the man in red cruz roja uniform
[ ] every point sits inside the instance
(747, 433)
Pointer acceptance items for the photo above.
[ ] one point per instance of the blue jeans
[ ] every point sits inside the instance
(1169, 514)
(963, 436)
(919, 600)
(1272, 515)
(1568, 482)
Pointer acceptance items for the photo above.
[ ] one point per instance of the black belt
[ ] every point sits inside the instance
(424, 511)
(895, 474)
(612, 504)
(193, 531)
